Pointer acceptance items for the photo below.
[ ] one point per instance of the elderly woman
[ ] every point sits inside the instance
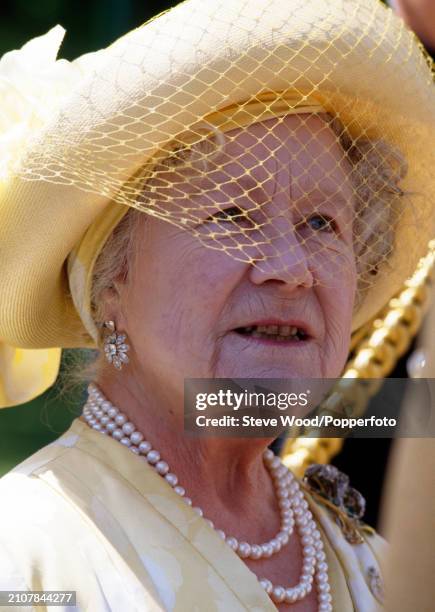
(270, 148)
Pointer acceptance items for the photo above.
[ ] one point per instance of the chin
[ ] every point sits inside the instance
(266, 371)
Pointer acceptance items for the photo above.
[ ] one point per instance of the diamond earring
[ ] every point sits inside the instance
(115, 348)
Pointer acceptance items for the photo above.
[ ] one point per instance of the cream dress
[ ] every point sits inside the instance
(87, 514)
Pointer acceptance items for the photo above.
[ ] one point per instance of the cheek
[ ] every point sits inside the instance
(337, 304)
(179, 289)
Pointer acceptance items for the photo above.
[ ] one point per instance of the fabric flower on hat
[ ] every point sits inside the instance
(32, 83)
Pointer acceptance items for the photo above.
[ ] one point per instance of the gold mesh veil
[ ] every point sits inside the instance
(289, 134)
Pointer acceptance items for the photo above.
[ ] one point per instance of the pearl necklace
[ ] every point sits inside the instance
(103, 416)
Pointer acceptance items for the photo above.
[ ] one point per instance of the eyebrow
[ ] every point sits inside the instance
(338, 195)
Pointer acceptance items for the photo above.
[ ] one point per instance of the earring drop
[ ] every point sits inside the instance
(115, 348)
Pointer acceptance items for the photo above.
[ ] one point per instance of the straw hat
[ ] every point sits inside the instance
(226, 66)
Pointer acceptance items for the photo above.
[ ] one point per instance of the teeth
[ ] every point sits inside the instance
(279, 332)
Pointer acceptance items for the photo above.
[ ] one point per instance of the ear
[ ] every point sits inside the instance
(111, 305)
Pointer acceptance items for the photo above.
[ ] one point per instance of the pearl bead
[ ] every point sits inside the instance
(198, 511)
(128, 428)
(187, 501)
(144, 447)
(276, 545)
(307, 583)
(322, 567)
(172, 479)
(268, 455)
(153, 457)
(310, 560)
(278, 594)
(287, 515)
(287, 523)
(136, 437)
(106, 405)
(291, 595)
(275, 462)
(221, 534)
(120, 419)
(321, 577)
(135, 450)
(256, 551)
(267, 585)
(308, 568)
(232, 542)
(283, 493)
(111, 426)
(324, 598)
(244, 550)
(280, 472)
(323, 587)
(325, 607)
(97, 426)
(162, 468)
(179, 490)
(302, 591)
(293, 488)
(283, 537)
(125, 441)
(112, 412)
(266, 550)
(118, 434)
(284, 503)
(104, 420)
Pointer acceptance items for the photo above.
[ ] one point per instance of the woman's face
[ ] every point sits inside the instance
(194, 311)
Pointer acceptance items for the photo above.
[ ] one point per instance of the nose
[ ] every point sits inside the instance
(281, 257)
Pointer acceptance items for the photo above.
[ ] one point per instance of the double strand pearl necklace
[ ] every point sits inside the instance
(103, 416)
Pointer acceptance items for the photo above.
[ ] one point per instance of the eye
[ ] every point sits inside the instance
(321, 223)
(234, 214)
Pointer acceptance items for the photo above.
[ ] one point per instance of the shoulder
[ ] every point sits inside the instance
(40, 523)
(49, 537)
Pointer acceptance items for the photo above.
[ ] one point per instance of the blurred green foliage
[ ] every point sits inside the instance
(90, 24)
(26, 428)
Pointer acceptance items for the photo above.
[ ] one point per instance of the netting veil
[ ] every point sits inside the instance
(285, 134)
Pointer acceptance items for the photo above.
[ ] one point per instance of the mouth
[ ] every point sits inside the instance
(275, 332)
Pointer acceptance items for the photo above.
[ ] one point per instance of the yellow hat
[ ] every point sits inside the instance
(227, 65)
